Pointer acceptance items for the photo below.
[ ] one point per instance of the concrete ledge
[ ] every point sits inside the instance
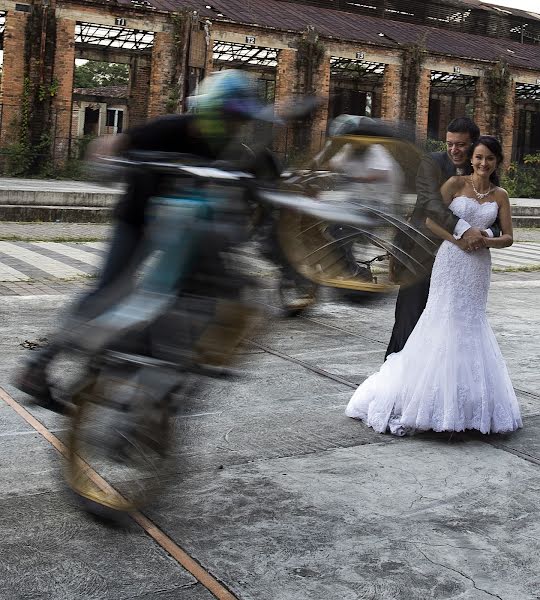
(67, 214)
(524, 221)
(52, 198)
(42, 192)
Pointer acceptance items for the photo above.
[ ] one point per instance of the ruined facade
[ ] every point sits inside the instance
(359, 64)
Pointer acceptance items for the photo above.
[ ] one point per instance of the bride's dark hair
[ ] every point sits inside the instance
(492, 144)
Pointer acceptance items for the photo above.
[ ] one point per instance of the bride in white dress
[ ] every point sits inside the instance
(451, 376)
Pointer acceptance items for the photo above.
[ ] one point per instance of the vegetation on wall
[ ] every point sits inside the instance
(182, 23)
(309, 56)
(413, 56)
(30, 152)
(498, 82)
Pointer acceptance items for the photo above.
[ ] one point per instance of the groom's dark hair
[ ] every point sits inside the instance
(464, 125)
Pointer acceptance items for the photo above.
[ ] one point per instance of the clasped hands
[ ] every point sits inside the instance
(473, 239)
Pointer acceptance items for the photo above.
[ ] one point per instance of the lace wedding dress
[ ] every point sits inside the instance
(450, 376)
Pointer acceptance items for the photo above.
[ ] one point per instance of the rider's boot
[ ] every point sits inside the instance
(32, 380)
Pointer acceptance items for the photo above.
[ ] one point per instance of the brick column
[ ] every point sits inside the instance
(160, 99)
(391, 93)
(286, 76)
(139, 83)
(209, 66)
(444, 115)
(319, 122)
(507, 126)
(481, 105)
(13, 75)
(64, 65)
(290, 83)
(422, 105)
(487, 120)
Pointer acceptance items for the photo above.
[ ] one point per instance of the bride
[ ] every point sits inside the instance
(451, 376)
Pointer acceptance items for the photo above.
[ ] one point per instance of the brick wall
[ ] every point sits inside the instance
(290, 83)
(422, 104)
(12, 75)
(64, 65)
(139, 82)
(320, 118)
(285, 78)
(161, 73)
(150, 78)
(481, 106)
(507, 128)
(391, 93)
(483, 112)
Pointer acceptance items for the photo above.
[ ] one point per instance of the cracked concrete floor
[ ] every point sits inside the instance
(278, 494)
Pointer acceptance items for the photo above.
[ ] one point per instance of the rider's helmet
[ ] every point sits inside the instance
(223, 102)
(359, 125)
(229, 92)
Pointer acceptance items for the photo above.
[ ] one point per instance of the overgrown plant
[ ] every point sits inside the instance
(30, 152)
(413, 56)
(498, 82)
(523, 180)
(309, 56)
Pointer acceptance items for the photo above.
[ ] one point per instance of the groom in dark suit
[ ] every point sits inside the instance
(434, 170)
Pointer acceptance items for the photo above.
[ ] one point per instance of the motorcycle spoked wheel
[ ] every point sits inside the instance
(118, 434)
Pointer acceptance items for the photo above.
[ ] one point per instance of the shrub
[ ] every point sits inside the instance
(523, 180)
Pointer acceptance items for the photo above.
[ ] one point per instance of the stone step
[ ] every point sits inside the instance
(532, 221)
(67, 197)
(525, 211)
(65, 214)
(102, 214)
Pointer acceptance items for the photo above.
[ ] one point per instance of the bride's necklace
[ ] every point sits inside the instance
(478, 194)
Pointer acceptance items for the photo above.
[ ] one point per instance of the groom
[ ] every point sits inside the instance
(434, 170)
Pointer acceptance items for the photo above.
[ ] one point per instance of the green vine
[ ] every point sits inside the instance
(310, 51)
(498, 81)
(181, 23)
(413, 56)
(30, 152)
(48, 91)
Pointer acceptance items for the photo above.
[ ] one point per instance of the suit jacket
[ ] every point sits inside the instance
(434, 170)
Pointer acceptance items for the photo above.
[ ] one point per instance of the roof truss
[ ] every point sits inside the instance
(351, 68)
(452, 83)
(244, 54)
(528, 91)
(113, 36)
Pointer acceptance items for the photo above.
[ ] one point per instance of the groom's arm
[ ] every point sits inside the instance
(429, 203)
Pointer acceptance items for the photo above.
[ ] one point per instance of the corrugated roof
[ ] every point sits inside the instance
(516, 12)
(337, 24)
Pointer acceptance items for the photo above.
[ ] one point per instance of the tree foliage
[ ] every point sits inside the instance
(100, 74)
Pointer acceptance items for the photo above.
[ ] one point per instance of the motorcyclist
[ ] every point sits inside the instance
(225, 101)
(375, 179)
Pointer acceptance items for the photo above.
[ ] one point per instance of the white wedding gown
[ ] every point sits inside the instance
(450, 376)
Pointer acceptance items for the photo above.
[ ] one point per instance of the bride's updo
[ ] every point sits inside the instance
(493, 144)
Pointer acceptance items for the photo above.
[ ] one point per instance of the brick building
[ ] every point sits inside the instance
(424, 63)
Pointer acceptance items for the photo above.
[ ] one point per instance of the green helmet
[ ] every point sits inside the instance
(228, 92)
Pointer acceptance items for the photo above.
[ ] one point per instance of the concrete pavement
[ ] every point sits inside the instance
(280, 496)
(43, 263)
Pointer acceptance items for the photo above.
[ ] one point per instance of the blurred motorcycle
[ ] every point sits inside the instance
(359, 260)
